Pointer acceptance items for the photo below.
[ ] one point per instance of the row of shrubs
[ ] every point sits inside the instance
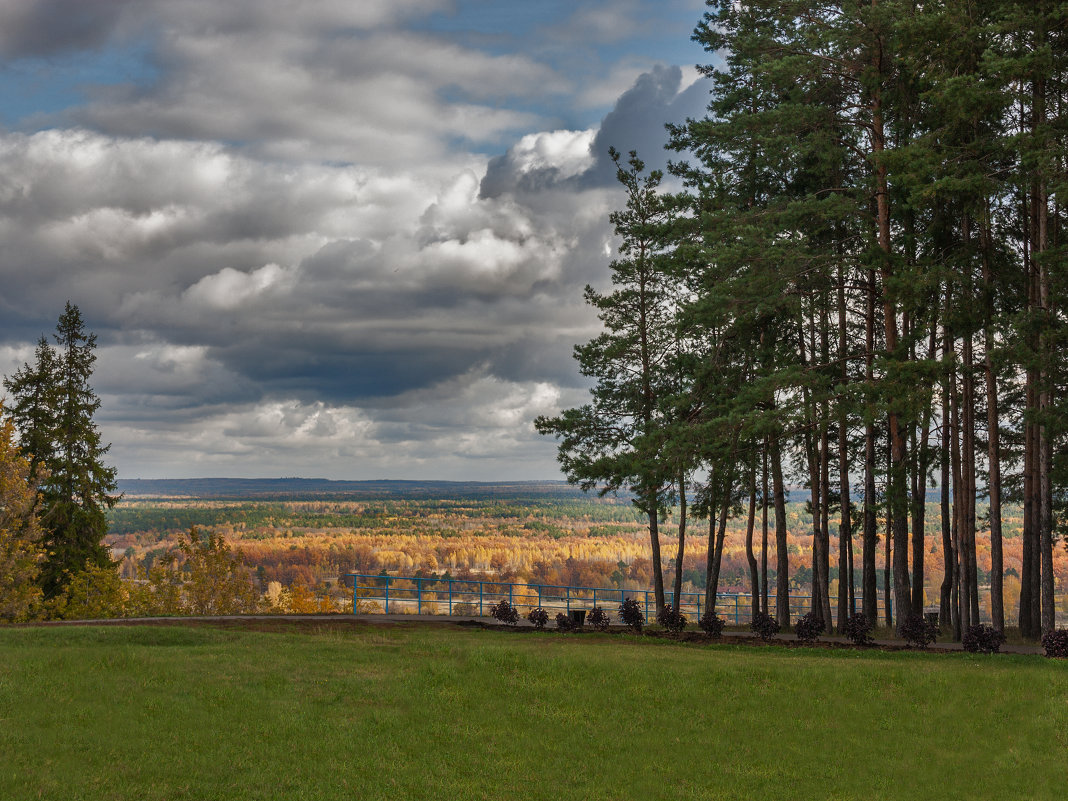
(916, 630)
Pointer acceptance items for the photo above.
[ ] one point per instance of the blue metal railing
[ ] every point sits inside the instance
(423, 595)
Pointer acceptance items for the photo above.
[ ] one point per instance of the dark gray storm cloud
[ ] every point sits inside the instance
(31, 28)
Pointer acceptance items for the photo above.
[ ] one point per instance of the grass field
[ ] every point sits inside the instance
(417, 711)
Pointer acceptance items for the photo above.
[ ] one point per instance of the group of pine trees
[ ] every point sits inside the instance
(859, 287)
(56, 488)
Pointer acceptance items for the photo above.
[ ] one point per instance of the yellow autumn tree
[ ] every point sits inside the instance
(20, 533)
(216, 579)
(94, 593)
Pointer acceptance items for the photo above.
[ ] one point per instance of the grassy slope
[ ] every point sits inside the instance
(444, 713)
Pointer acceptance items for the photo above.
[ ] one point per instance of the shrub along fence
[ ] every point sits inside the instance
(429, 595)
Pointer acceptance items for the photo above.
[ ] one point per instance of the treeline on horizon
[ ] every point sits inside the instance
(293, 488)
(862, 275)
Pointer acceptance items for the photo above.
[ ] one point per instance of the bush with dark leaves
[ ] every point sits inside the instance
(858, 630)
(917, 630)
(632, 615)
(808, 628)
(564, 622)
(505, 612)
(1056, 644)
(764, 625)
(712, 624)
(982, 639)
(671, 619)
(538, 616)
(598, 618)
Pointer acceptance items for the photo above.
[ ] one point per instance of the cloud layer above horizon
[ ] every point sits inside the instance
(324, 238)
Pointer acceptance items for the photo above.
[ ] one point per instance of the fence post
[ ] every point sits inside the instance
(419, 596)
(510, 585)
(387, 595)
(480, 599)
(355, 593)
(569, 599)
(450, 597)
(539, 596)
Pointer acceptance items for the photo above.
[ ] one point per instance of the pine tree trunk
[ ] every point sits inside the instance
(1029, 624)
(819, 583)
(945, 596)
(717, 560)
(782, 553)
(1029, 580)
(825, 534)
(846, 600)
(888, 598)
(681, 552)
(845, 530)
(968, 484)
(754, 575)
(1048, 617)
(997, 560)
(764, 529)
(919, 487)
(870, 542)
(825, 474)
(960, 576)
(817, 540)
(658, 567)
(946, 606)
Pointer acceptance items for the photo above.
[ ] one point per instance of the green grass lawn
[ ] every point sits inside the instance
(415, 711)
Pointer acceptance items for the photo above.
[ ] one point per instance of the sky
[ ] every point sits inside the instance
(326, 238)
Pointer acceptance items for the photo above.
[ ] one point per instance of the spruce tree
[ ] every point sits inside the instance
(53, 404)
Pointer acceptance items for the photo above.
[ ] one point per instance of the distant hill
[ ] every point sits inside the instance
(320, 488)
(324, 488)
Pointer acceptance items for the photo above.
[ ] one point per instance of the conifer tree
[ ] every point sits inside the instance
(614, 442)
(53, 405)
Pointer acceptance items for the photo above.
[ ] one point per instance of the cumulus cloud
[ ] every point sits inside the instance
(231, 289)
(540, 160)
(296, 255)
(636, 122)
